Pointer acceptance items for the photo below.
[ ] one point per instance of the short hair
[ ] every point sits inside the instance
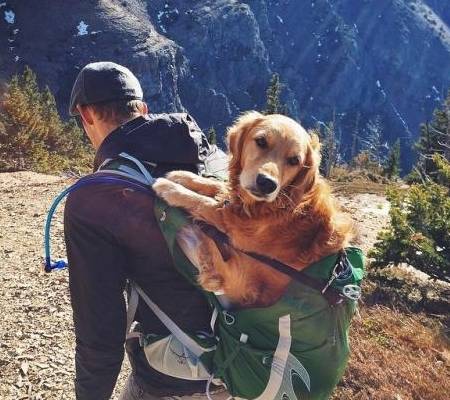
(118, 111)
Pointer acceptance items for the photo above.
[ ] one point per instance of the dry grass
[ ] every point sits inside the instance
(396, 356)
(351, 181)
(355, 187)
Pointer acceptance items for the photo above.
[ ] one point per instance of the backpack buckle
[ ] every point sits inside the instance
(352, 292)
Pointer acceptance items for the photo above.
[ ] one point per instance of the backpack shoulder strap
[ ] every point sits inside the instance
(136, 293)
(130, 167)
(127, 166)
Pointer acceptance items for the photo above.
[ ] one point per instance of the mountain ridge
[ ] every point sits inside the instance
(359, 61)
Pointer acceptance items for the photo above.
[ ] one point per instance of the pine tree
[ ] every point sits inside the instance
(434, 138)
(329, 146)
(355, 137)
(32, 134)
(21, 118)
(273, 97)
(392, 164)
(372, 143)
(212, 136)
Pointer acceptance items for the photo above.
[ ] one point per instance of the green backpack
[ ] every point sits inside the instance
(295, 349)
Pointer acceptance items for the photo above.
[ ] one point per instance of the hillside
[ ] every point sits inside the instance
(396, 354)
(382, 62)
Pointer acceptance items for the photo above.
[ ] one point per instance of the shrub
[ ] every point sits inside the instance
(391, 167)
(32, 134)
(419, 231)
(364, 162)
(434, 139)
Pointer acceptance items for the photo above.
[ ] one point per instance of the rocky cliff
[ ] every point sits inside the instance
(360, 60)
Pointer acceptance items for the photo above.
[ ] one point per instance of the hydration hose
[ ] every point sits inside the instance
(50, 265)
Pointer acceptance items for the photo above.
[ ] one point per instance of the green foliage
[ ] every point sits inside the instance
(273, 99)
(434, 139)
(329, 147)
(330, 144)
(211, 136)
(355, 137)
(32, 134)
(443, 171)
(419, 231)
(392, 164)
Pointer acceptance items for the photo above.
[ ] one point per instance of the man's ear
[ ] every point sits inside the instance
(236, 135)
(304, 183)
(86, 114)
(143, 108)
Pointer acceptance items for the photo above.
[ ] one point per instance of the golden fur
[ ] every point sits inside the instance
(298, 223)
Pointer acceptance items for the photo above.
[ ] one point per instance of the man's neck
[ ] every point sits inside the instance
(106, 128)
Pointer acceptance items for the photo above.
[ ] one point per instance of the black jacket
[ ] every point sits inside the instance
(112, 235)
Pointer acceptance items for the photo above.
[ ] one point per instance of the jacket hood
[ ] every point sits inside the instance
(172, 141)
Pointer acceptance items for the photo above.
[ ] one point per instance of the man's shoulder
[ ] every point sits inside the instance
(110, 201)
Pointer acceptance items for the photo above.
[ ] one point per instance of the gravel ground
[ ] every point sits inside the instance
(36, 332)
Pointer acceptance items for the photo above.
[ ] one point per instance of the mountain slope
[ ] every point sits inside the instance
(362, 60)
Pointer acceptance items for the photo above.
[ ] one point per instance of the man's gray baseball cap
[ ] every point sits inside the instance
(101, 82)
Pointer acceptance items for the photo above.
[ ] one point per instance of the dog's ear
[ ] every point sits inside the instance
(304, 183)
(236, 136)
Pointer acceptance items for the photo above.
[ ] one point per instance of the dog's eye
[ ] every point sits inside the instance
(293, 160)
(261, 142)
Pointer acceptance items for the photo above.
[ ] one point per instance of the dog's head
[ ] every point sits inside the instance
(272, 156)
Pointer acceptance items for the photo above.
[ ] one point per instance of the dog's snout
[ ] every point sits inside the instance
(265, 184)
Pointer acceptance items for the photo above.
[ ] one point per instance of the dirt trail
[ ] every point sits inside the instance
(36, 332)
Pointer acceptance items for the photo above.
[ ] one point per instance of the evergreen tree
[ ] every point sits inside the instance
(392, 164)
(372, 143)
(329, 146)
(22, 132)
(273, 97)
(355, 137)
(32, 135)
(212, 136)
(434, 138)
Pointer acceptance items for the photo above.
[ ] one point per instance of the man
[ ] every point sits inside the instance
(112, 235)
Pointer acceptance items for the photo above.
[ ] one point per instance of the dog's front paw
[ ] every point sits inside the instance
(164, 189)
(210, 281)
(181, 177)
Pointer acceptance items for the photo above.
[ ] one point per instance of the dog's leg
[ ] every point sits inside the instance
(206, 186)
(200, 206)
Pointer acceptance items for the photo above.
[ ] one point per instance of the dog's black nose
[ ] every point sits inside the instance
(265, 184)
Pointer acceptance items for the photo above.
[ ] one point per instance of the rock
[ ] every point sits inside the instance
(42, 365)
(19, 382)
(24, 368)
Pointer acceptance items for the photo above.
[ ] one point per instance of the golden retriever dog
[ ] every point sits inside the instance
(275, 203)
